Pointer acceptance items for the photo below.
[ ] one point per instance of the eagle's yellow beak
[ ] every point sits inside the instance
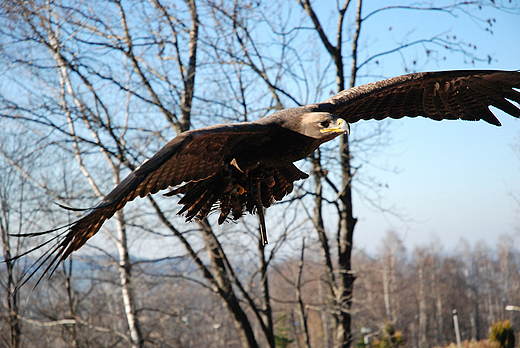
(342, 126)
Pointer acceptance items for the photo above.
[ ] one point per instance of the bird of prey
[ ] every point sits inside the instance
(247, 166)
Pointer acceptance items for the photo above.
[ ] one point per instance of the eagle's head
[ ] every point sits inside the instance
(323, 125)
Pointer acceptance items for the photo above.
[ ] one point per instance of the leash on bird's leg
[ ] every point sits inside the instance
(263, 231)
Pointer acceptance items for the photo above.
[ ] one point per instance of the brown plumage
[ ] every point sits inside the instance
(248, 166)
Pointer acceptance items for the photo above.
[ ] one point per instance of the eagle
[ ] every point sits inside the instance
(246, 167)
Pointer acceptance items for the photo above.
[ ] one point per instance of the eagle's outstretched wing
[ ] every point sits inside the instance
(189, 157)
(462, 94)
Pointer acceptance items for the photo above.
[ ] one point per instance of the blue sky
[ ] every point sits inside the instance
(454, 180)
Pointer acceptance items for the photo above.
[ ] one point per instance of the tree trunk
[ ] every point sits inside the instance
(301, 307)
(343, 334)
(422, 310)
(386, 292)
(440, 319)
(266, 311)
(10, 293)
(125, 274)
(224, 287)
(70, 300)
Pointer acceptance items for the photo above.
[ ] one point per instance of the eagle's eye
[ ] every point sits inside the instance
(325, 124)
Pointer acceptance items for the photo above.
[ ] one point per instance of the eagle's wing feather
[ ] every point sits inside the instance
(462, 94)
(193, 155)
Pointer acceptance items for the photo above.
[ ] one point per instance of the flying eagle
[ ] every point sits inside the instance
(248, 166)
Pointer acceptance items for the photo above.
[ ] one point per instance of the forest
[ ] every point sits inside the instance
(414, 291)
(89, 90)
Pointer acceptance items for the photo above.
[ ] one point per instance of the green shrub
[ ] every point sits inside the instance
(391, 338)
(281, 338)
(502, 332)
